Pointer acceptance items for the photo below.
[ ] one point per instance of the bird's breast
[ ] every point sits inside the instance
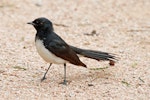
(47, 55)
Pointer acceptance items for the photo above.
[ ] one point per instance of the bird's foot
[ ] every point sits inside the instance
(64, 82)
(43, 79)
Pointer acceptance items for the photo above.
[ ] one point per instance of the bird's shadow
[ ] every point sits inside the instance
(89, 76)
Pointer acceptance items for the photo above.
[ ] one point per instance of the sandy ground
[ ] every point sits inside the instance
(121, 27)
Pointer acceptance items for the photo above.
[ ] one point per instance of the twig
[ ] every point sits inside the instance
(61, 25)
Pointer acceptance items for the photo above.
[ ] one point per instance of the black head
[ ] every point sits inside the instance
(42, 24)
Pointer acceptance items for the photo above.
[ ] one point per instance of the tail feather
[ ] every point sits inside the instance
(97, 55)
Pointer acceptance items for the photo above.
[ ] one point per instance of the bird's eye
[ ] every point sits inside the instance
(41, 23)
(37, 22)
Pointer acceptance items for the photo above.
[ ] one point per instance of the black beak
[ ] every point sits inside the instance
(31, 23)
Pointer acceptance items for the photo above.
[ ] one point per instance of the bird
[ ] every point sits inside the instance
(54, 50)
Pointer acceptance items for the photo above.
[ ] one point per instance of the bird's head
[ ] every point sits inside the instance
(42, 24)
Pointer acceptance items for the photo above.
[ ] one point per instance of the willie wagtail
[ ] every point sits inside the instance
(53, 49)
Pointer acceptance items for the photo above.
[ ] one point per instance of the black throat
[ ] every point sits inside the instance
(43, 34)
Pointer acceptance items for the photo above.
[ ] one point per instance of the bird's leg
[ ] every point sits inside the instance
(65, 82)
(44, 77)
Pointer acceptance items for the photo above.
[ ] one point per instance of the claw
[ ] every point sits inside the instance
(43, 79)
(64, 82)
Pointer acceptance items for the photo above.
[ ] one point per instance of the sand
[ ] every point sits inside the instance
(116, 26)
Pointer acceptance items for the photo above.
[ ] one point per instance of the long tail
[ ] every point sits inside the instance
(97, 55)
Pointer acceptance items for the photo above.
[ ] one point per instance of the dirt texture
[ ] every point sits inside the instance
(117, 26)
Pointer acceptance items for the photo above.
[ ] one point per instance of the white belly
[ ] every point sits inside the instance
(46, 54)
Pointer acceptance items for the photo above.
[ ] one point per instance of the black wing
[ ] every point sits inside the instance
(62, 50)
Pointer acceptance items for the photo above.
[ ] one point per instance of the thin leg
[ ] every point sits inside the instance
(44, 77)
(65, 82)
